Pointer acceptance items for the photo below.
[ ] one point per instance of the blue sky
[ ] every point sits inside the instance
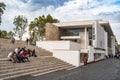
(64, 10)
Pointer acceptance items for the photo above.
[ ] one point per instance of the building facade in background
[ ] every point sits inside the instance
(71, 41)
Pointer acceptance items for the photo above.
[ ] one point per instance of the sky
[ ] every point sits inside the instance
(63, 10)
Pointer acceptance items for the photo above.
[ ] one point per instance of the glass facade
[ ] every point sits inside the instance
(97, 55)
(77, 31)
(90, 33)
(71, 32)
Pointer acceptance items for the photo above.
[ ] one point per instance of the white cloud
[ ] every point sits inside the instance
(116, 30)
(73, 10)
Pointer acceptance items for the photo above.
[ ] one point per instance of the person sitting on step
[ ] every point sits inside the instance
(20, 59)
(11, 57)
(23, 55)
(29, 52)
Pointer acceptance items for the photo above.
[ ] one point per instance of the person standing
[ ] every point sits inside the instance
(13, 40)
(27, 41)
(85, 60)
(33, 53)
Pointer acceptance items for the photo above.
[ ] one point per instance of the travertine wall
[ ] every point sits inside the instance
(52, 32)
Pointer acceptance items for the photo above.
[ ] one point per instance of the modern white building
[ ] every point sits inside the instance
(71, 41)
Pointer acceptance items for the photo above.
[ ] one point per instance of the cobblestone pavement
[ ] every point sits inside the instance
(108, 69)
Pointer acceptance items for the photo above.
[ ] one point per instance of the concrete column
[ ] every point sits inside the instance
(113, 44)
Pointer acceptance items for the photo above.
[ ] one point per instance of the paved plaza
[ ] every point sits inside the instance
(108, 69)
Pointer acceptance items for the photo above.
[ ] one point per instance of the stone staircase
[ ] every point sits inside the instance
(42, 64)
(6, 47)
(36, 66)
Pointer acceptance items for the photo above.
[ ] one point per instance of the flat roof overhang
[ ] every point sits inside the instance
(82, 24)
(79, 23)
(108, 28)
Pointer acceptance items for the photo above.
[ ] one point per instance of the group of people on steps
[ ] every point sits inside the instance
(21, 55)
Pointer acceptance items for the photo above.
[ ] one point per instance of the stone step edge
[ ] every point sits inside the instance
(38, 71)
(2, 59)
(28, 67)
(29, 70)
(29, 64)
(69, 68)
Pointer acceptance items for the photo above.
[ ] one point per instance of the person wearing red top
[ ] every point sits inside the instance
(23, 55)
(85, 60)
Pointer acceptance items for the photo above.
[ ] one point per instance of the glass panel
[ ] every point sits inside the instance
(93, 30)
(72, 32)
(90, 33)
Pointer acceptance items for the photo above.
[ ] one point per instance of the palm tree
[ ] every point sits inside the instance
(2, 8)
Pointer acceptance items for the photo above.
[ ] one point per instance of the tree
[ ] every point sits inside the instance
(10, 34)
(0, 33)
(21, 24)
(2, 8)
(50, 19)
(37, 27)
(3, 34)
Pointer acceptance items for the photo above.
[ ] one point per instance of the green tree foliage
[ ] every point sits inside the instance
(50, 19)
(37, 27)
(21, 24)
(3, 34)
(0, 33)
(2, 8)
(10, 34)
(6, 35)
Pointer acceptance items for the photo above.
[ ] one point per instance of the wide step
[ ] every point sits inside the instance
(36, 66)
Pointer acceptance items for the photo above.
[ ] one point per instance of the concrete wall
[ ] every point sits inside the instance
(82, 40)
(93, 51)
(72, 57)
(74, 46)
(52, 32)
(91, 54)
(53, 45)
(99, 41)
(65, 50)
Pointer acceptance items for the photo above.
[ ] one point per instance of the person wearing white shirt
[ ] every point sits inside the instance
(17, 50)
(10, 56)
